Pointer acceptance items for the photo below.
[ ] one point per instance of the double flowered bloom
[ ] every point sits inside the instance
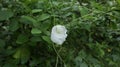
(58, 34)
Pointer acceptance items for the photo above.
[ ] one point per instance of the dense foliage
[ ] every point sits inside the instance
(93, 33)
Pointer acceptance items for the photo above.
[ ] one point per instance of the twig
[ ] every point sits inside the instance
(56, 62)
(58, 54)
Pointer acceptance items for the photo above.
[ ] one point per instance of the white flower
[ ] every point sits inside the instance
(58, 34)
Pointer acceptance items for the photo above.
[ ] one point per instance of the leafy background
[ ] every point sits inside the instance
(93, 33)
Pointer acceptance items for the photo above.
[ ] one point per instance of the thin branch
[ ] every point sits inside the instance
(58, 55)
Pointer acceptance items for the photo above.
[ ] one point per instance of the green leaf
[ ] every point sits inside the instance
(9, 65)
(98, 6)
(82, 54)
(47, 39)
(78, 59)
(101, 52)
(23, 54)
(84, 11)
(113, 25)
(97, 65)
(118, 2)
(22, 39)
(14, 25)
(27, 2)
(35, 39)
(5, 14)
(43, 17)
(86, 26)
(44, 26)
(83, 65)
(35, 31)
(2, 43)
(36, 10)
(27, 20)
(34, 62)
(17, 54)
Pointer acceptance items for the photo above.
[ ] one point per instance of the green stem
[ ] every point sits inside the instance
(51, 3)
(56, 62)
(58, 55)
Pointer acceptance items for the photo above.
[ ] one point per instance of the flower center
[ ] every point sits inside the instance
(59, 31)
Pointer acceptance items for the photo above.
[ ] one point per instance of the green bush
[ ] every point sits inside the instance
(93, 33)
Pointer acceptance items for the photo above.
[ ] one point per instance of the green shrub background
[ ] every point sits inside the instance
(93, 33)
